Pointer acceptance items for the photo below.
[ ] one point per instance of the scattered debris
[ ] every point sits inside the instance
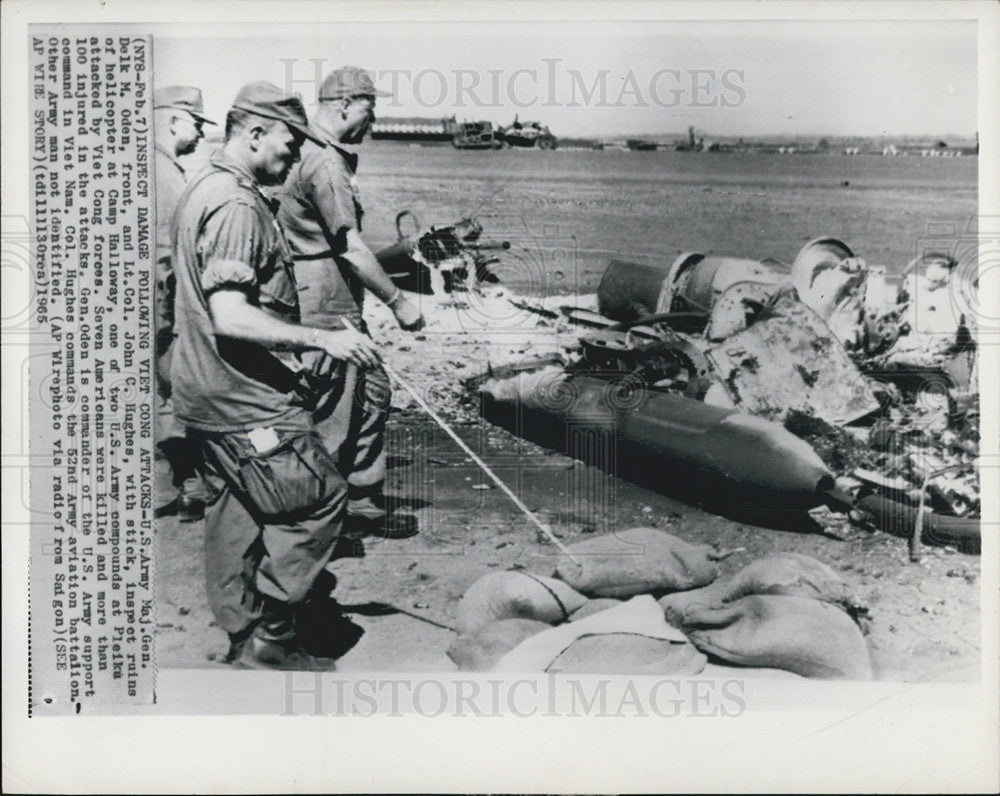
(669, 441)
(876, 377)
(441, 259)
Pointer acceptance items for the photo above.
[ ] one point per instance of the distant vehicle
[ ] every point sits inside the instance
(476, 135)
(640, 144)
(528, 134)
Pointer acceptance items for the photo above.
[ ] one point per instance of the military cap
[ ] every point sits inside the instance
(349, 82)
(267, 100)
(183, 98)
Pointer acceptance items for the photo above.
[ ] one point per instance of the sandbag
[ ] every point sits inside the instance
(592, 607)
(628, 653)
(675, 604)
(789, 574)
(809, 637)
(793, 575)
(479, 651)
(639, 617)
(515, 595)
(636, 561)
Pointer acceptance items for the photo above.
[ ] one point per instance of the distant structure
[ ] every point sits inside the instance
(414, 128)
(465, 134)
(640, 144)
(461, 135)
(528, 135)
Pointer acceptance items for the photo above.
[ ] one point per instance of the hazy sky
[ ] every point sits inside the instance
(725, 78)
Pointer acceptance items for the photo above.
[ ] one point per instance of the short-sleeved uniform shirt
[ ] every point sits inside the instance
(226, 237)
(319, 203)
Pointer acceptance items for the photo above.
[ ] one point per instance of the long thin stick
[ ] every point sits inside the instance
(461, 443)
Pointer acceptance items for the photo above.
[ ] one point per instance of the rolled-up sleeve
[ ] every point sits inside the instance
(231, 245)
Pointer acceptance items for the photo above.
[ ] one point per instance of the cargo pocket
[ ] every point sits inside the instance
(292, 479)
(375, 391)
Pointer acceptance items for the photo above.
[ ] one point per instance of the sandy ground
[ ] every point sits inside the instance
(925, 617)
(567, 214)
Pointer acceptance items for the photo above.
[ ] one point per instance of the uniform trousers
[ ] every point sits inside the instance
(350, 418)
(271, 524)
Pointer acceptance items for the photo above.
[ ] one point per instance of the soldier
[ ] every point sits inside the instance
(321, 213)
(179, 122)
(273, 520)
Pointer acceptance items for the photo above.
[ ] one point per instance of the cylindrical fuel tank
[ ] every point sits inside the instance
(691, 283)
(665, 437)
(630, 290)
(697, 281)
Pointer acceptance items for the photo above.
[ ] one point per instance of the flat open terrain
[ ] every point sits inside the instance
(592, 206)
(567, 214)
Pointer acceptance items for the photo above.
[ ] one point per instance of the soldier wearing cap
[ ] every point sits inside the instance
(273, 520)
(178, 129)
(321, 213)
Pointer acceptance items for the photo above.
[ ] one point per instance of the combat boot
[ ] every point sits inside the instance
(367, 516)
(274, 644)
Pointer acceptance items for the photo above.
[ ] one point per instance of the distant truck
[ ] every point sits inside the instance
(528, 134)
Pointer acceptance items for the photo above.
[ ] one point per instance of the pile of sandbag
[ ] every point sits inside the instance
(643, 601)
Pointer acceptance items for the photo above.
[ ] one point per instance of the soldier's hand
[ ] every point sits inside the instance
(408, 315)
(349, 345)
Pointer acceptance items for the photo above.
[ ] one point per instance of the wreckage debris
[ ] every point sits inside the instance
(683, 441)
(875, 376)
(692, 282)
(923, 481)
(441, 259)
(900, 519)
